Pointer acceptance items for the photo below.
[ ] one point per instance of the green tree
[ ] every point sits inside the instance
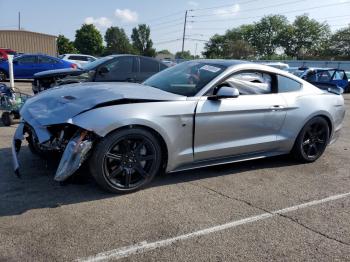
(339, 44)
(235, 43)
(141, 40)
(164, 52)
(64, 46)
(305, 37)
(117, 41)
(214, 48)
(88, 40)
(184, 55)
(238, 49)
(267, 34)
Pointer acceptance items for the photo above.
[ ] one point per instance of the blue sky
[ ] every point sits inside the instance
(164, 17)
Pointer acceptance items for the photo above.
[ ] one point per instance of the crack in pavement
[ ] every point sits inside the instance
(273, 213)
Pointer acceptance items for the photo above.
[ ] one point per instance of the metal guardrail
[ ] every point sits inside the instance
(345, 65)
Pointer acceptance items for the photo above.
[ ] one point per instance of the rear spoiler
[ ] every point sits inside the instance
(329, 87)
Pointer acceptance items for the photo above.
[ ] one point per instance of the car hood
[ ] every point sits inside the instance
(59, 72)
(58, 105)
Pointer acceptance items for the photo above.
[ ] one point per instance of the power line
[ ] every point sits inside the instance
(221, 6)
(280, 13)
(168, 41)
(255, 9)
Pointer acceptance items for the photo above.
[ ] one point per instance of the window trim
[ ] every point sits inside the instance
(274, 83)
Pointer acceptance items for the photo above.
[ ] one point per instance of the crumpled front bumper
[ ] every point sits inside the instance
(73, 156)
(16, 146)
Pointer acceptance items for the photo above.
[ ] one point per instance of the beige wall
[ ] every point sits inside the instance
(28, 42)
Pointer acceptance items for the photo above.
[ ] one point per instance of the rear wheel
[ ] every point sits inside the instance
(312, 140)
(126, 160)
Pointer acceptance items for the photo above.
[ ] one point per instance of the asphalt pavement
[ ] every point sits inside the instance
(271, 209)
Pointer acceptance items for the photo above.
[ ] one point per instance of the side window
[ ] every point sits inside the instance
(26, 60)
(339, 75)
(251, 82)
(118, 69)
(148, 65)
(324, 76)
(46, 60)
(78, 58)
(286, 84)
(120, 65)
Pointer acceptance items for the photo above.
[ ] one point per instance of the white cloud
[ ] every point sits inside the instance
(344, 1)
(228, 11)
(193, 3)
(126, 15)
(101, 22)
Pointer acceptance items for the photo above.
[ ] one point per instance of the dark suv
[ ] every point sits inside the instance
(114, 68)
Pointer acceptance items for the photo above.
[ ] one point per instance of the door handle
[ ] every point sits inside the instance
(130, 79)
(276, 107)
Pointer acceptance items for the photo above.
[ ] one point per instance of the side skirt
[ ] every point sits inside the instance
(226, 160)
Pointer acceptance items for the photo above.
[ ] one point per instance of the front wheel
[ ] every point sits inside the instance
(126, 160)
(312, 140)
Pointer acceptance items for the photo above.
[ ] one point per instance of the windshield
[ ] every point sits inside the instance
(96, 63)
(186, 79)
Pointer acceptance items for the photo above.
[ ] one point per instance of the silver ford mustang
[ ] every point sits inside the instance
(195, 114)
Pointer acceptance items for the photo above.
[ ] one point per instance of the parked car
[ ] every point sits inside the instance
(78, 59)
(322, 76)
(25, 66)
(4, 52)
(195, 114)
(114, 68)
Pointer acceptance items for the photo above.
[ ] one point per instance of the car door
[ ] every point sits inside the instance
(119, 69)
(246, 124)
(24, 67)
(340, 79)
(148, 67)
(45, 63)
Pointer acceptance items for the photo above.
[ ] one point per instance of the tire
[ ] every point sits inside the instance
(312, 140)
(3, 76)
(126, 160)
(7, 118)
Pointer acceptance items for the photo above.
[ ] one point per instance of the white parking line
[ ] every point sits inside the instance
(145, 246)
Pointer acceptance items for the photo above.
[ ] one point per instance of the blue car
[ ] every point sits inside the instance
(25, 66)
(326, 76)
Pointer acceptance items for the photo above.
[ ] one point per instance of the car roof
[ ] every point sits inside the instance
(223, 62)
(78, 55)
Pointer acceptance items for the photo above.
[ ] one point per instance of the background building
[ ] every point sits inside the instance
(28, 42)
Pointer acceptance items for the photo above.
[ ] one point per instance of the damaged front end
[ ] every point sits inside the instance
(73, 144)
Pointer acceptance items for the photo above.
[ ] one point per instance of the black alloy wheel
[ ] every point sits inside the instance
(126, 160)
(312, 140)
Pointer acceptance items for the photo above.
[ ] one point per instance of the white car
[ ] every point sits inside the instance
(78, 59)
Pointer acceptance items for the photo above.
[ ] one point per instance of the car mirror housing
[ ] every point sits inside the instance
(225, 92)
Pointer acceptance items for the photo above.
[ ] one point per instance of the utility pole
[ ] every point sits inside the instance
(184, 33)
(19, 20)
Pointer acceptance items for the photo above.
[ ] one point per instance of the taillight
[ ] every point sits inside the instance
(74, 66)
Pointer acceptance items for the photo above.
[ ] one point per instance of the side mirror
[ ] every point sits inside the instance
(225, 92)
(103, 70)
